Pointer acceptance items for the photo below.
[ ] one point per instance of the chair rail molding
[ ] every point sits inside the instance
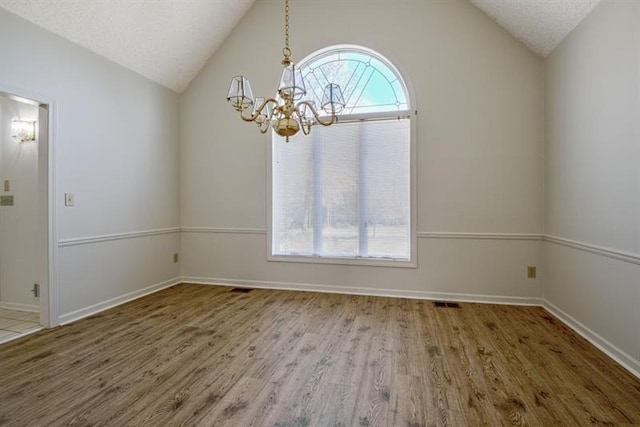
(595, 249)
(76, 241)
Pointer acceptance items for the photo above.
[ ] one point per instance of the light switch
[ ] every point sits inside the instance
(68, 199)
(7, 185)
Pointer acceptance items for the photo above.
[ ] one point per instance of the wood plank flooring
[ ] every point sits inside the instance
(198, 355)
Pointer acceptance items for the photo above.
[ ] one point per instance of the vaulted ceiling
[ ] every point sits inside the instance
(169, 41)
(539, 24)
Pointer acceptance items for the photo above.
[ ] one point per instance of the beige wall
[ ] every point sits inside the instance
(593, 178)
(480, 134)
(116, 148)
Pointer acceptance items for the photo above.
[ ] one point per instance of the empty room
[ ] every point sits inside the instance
(319, 212)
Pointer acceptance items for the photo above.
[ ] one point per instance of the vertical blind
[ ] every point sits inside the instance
(343, 191)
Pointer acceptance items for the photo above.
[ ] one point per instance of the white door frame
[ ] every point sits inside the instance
(48, 253)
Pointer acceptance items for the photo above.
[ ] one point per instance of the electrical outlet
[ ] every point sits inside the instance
(68, 199)
(6, 200)
(531, 272)
(36, 290)
(176, 257)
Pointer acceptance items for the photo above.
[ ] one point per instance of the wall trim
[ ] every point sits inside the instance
(113, 302)
(76, 241)
(356, 290)
(595, 249)
(217, 230)
(20, 307)
(480, 236)
(599, 250)
(420, 234)
(626, 361)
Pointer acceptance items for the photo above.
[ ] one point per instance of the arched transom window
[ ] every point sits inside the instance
(369, 83)
(344, 192)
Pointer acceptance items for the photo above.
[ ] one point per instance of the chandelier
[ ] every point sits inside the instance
(289, 111)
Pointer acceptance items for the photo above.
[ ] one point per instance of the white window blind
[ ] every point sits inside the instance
(344, 191)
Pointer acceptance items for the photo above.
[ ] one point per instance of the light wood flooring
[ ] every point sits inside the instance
(202, 355)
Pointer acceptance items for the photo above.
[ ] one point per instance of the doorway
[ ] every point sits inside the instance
(24, 216)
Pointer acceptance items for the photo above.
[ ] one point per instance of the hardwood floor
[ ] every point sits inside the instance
(202, 355)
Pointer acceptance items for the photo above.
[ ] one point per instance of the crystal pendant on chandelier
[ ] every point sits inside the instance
(306, 112)
(261, 116)
(289, 111)
(332, 99)
(291, 83)
(240, 95)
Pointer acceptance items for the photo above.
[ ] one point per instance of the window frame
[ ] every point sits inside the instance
(410, 114)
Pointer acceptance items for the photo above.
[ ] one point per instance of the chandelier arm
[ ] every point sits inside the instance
(262, 128)
(305, 123)
(334, 118)
(256, 114)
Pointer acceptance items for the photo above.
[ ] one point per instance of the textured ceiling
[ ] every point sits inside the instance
(539, 24)
(166, 41)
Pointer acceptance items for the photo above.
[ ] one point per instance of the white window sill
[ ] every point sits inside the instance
(361, 261)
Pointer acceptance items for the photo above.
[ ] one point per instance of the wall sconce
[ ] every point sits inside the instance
(23, 130)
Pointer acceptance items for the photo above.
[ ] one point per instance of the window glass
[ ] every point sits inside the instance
(344, 191)
(368, 84)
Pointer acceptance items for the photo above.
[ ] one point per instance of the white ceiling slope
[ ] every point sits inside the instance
(167, 41)
(539, 24)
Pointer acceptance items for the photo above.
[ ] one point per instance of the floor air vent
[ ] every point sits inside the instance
(446, 304)
(241, 290)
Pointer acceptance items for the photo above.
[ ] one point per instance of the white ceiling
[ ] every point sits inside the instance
(169, 41)
(539, 24)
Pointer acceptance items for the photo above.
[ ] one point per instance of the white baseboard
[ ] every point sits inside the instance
(626, 361)
(110, 303)
(20, 307)
(393, 293)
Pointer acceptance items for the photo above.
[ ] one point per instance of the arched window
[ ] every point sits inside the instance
(370, 84)
(344, 193)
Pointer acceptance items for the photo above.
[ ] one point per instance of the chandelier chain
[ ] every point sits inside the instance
(286, 51)
(286, 24)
